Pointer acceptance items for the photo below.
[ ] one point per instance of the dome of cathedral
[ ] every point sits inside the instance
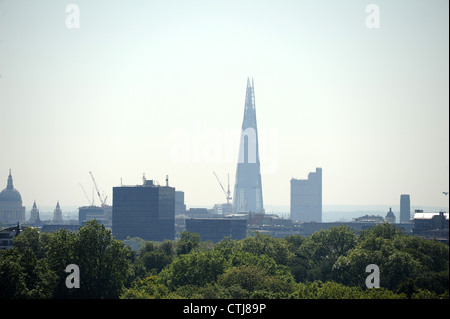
(9, 194)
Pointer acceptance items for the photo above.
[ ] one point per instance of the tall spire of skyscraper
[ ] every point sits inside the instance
(247, 188)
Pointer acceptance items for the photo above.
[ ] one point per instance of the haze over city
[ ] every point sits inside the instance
(158, 88)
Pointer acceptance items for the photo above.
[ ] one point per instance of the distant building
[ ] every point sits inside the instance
(306, 198)
(7, 234)
(390, 217)
(216, 229)
(248, 188)
(87, 213)
(146, 211)
(405, 208)
(51, 228)
(57, 215)
(34, 216)
(180, 206)
(376, 219)
(11, 209)
(431, 225)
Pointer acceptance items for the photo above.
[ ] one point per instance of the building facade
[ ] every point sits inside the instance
(11, 209)
(248, 189)
(405, 208)
(306, 198)
(146, 211)
(216, 229)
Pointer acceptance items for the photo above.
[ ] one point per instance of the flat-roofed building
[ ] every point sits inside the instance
(146, 211)
(216, 229)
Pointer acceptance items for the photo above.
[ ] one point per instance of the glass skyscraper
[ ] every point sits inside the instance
(247, 189)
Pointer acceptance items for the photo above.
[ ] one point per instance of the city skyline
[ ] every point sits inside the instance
(158, 88)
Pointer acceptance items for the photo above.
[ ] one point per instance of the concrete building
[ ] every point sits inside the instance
(405, 208)
(216, 229)
(11, 209)
(146, 211)
(306, 198)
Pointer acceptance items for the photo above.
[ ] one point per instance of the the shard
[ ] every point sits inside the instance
(247, 189)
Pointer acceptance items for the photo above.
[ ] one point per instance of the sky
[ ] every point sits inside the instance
(127, 88)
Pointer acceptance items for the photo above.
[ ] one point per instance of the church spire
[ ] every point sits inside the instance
(10, 181)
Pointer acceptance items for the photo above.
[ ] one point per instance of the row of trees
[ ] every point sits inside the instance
(328, 264)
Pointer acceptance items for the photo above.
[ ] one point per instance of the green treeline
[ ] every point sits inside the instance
(328, 264)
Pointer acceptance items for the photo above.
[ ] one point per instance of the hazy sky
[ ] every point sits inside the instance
(158, 87)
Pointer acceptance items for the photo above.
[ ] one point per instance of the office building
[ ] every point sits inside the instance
(306, 198)
(146, 211)
(180, 206)
(216, 229)
(247, 189)
(405, 208)
(87, 213)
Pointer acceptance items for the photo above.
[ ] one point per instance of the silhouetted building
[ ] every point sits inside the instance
(247, 188)
(216, 229)
(405, 208)
(306, 198)
(11, 209)
(146, 211)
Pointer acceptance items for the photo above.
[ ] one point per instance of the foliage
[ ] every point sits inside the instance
(330, 264)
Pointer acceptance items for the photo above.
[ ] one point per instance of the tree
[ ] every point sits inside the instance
(195, 268)
(321, 250)
(187, 242)
(22, 275)
(102, 261)
(260, 244)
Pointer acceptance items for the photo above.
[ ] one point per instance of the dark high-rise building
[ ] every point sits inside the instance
(146, 211)
(405, 208)
(306, 198)
(247, 188)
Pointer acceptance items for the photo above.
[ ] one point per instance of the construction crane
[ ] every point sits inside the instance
(227, 193)
(102, 200)
(87, 197)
